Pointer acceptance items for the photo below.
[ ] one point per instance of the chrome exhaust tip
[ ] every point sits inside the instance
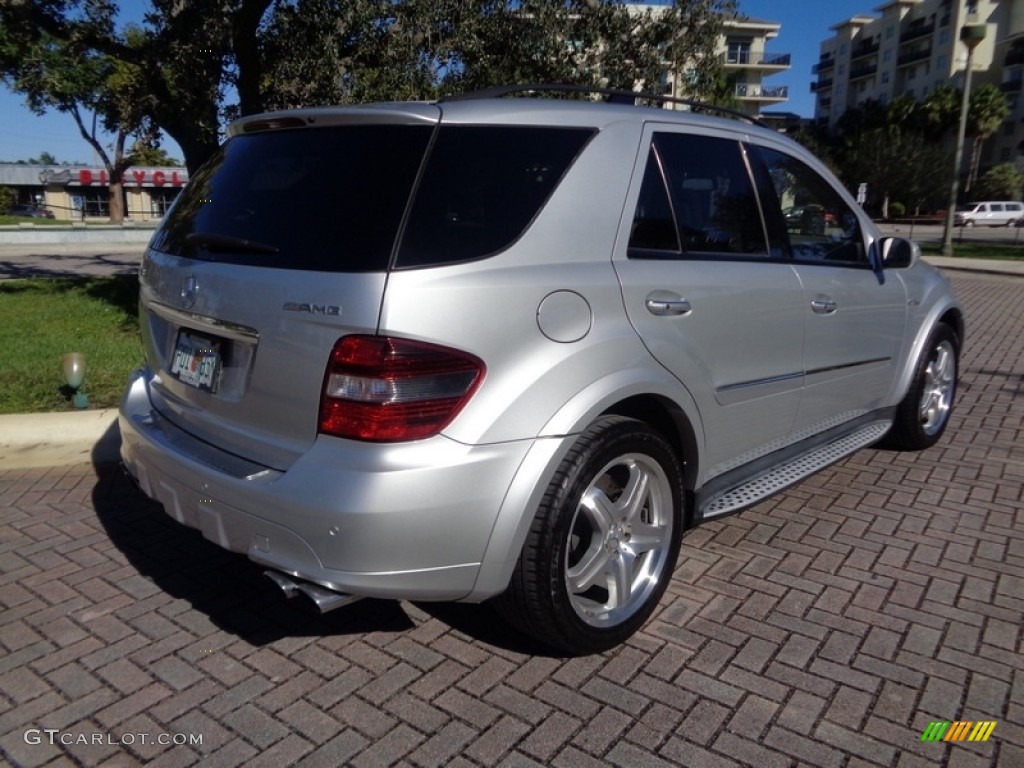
(322, 598)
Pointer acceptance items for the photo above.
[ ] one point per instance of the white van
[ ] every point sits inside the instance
(1002, 213)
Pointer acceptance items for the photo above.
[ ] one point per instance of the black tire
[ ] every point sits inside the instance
(922, 416)
(590, 542)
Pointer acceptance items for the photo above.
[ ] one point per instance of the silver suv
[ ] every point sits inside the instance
(513, 348)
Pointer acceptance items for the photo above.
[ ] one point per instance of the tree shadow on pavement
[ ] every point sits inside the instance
(91, 265)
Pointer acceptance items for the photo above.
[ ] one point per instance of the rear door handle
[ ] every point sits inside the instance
(823, 305)
(668, 306)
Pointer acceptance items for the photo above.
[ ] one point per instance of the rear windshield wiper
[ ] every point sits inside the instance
(228, 243)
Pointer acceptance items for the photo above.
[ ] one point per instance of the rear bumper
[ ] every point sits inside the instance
(408, 521)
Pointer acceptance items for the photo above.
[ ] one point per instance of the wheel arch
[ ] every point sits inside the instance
(672, 422)
(954, 318)
(663, 404)
(950, 314)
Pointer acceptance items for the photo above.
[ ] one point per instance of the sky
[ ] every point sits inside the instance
(805, 23)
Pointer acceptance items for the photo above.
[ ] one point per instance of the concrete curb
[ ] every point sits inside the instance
(59, 439)
(981, 266)
(123, 236)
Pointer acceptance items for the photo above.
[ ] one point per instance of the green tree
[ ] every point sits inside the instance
(939, 113)
(987, 112)
(8, 197)
(886, 147)
(156, 157)
(284, 53)
(1001, 182)
(96, 90)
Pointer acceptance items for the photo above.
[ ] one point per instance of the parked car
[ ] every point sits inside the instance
(30, 211)
(990, 214)
(513, 348)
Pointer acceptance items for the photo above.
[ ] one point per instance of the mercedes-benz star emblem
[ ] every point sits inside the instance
(189, 289)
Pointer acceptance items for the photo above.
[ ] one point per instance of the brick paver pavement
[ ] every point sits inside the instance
(826, 627)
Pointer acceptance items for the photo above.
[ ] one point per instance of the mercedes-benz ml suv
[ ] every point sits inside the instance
(513, 348)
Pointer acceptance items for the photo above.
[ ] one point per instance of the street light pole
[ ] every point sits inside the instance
(971, 35)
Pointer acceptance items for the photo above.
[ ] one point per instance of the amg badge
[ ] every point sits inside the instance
(313, 309)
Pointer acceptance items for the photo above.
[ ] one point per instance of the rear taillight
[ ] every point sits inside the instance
(388, 390)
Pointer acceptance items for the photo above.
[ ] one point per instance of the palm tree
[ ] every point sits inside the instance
(987, 112)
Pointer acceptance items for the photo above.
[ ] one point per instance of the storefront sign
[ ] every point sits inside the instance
(140, 177)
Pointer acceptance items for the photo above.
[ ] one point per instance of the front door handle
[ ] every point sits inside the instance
(668, 306)
(823, 305)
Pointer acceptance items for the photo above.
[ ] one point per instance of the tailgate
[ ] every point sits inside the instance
(277, 247)
(243, 367)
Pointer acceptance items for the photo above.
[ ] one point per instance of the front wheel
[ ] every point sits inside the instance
(603, 542)
(923, 414)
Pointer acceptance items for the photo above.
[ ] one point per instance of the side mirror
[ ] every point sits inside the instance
(898, 253)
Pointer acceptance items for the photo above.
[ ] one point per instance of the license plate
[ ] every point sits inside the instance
(197, 361)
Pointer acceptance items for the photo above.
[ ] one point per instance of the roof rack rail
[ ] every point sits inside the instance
(616, 95)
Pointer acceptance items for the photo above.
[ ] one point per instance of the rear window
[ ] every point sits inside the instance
(332, 199)
(482, 187)
(328, 199)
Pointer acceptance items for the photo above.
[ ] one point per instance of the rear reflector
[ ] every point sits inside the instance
(389, 390)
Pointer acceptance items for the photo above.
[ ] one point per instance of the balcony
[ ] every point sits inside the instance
(823, 65)
(754, 92)
(1014, 56)
(757, 60)
(914, 56)
(917, 30)
(866, 48)
(777, 60)
(864, 70)
(821, 85)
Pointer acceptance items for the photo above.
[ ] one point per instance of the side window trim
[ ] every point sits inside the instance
(663, 177)
(640, 252)
(757, 180)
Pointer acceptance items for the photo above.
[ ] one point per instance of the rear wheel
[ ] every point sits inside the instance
(603, 542)
(924, 413)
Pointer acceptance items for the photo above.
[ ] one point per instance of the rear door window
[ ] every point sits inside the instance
(328, 199)
(697, 199)
(482, 187)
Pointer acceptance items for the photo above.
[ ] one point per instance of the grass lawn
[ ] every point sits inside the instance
(41, 319)
(978, 250)
(14, 220)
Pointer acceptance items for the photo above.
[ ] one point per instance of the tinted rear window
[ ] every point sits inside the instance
(326, 199)
(482, 187)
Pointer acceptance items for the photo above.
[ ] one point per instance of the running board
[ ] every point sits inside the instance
(792, 472)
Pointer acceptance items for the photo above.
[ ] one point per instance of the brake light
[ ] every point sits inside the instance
(384, 389)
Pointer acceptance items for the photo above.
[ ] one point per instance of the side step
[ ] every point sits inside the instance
(324, 599)
(792, 472)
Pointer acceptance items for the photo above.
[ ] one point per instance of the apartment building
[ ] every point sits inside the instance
(743, 50)
(913, 46)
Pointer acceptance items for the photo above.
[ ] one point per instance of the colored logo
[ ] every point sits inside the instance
(960, 730)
